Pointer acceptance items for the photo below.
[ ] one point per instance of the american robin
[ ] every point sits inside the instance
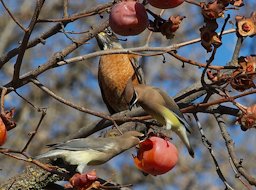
(160, 106)
(114, 72)
(92, 150)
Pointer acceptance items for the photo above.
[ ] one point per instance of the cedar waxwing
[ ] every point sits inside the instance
(161, 107)
(114, 72)
(91, 150)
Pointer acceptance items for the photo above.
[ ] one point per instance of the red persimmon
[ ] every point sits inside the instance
(128, 18)
(156, 156)
(165, 4)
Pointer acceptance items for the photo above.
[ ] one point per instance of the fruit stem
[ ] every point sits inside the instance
(4, 90)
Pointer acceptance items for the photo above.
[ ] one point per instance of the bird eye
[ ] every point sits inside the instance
(109, 33)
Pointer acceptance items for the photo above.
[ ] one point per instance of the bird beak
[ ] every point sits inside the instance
(133, 100)
(102, 40)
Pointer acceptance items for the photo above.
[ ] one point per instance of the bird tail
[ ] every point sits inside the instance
(181, 132)
(173, 123)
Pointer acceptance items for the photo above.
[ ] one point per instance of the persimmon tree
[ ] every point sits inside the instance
(200, 52)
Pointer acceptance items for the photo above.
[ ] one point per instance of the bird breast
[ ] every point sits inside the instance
(114, 73)
(88, 157)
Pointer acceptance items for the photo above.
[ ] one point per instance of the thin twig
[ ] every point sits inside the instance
(68, 103)
(30, 103)
(150, 32)
(216, 102)
(65, 33)
(73, 18)
(208, 145)
(28, 159)
(230, 147)
(24, 43)
(24, 79)
(159, 50)
(195, 63)
(34, 132)
(13, 17)
(208, 63)
(213, 55)
(4, 91)
(11, 184)
(50, 32)
(237, 175)
(65, 9)
(193, 2)
(223, 27)
(83, 109)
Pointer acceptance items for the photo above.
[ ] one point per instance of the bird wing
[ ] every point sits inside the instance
(172, 105)
(173, 123)
(98, 144)
(137, 69)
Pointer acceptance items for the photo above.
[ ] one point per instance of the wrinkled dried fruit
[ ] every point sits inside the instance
(242, 82)
(156, 156)
(246, 26)
(82, 181)
(170, 26)
(217, 77)
(248, 119)
(241, 78)
(209, 38)
(128, 18)
(248, 63)
(7, 118)
(212, 10)
(3, 132)
(166, 27)
(165, 4)
(212, 76)
(237, 3)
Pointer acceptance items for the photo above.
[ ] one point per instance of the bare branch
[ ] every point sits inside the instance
(34, 132)
(208, 145)
(23, 46)
(12, 16)
(230, 147)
